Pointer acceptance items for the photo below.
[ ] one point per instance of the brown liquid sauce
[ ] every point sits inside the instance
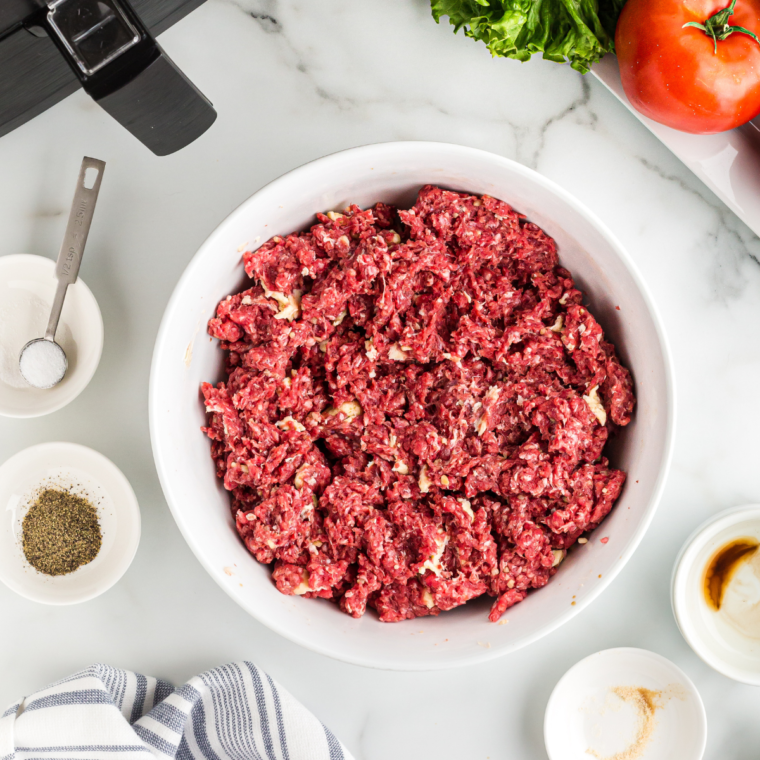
(722, 566)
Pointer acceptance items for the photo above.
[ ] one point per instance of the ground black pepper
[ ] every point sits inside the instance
(61, 532)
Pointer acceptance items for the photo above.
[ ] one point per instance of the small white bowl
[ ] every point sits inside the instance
(89, 474)
(707, 633)
(583, 716)
(27, 287)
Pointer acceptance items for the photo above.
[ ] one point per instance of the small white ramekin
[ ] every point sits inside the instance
(579, 714)
(729, 653)
(96, 478)
(29, 281)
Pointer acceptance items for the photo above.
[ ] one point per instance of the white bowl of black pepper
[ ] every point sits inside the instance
(70, 525)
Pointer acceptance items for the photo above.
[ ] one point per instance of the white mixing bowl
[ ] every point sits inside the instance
(185, 356)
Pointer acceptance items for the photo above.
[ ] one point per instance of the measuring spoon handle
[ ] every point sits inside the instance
(77, 229)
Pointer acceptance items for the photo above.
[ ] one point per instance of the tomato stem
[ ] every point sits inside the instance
(718, 28)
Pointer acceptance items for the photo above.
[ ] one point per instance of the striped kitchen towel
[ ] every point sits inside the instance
(236, 712)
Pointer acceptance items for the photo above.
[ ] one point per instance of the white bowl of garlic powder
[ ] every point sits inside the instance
(27, 287)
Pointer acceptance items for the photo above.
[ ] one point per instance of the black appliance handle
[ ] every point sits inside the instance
(124, 69)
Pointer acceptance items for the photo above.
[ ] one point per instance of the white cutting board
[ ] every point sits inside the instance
(728, 163)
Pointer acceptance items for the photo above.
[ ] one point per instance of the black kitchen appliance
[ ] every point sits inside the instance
(50, 48)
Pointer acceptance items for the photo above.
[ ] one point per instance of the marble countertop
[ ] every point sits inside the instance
(298, 79)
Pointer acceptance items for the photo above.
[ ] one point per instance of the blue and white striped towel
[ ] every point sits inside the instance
(236, 712)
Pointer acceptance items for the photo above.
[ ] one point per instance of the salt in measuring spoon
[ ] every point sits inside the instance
(42, 362)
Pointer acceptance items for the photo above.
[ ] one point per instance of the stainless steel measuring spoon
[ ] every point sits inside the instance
(42, 362)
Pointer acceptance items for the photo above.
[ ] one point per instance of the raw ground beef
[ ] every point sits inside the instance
(416, 407)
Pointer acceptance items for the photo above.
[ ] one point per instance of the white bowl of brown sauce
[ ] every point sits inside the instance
(716, 593)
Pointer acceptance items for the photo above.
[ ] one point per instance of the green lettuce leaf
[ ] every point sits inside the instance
(578, 31)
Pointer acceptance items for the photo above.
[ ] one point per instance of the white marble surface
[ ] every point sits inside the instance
(294, 80)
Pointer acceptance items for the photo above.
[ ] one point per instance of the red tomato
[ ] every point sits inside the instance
(675, 76)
